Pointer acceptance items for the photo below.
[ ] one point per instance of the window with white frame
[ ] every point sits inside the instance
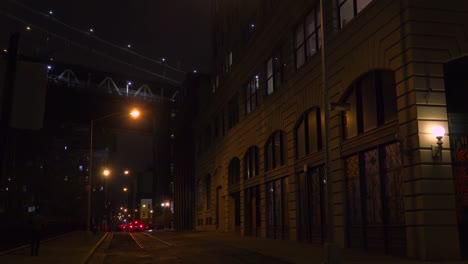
(307, 37)
(251, 90)
(273, 73)
(349, 9)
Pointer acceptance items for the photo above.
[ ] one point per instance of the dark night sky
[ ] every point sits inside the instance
(177, 30)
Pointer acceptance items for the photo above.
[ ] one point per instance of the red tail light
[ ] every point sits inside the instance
(141, 226)
(131, 226)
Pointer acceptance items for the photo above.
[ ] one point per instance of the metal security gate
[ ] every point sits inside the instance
(459, 144)
(311, 211)
(252, 211)
(374, 195)
(456, 92)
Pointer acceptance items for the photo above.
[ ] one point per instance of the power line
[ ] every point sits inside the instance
(48, 16)
(90, 49)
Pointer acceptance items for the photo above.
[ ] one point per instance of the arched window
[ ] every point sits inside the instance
(251, 163)
(234, 171)
(308, 133)
(274, 150)
(372, 103)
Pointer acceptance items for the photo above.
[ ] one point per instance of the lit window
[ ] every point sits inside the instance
(273, 73)
(307, 38)
(251, 90)
(348, 9)
(249, 30)
(80, 168)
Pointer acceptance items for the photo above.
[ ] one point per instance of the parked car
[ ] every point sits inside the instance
(136, 225)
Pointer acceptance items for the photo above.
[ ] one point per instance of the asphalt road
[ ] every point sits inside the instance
(172, 247)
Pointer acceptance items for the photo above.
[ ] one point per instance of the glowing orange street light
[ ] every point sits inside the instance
(125, 189)
(126, 172)
(135, 113)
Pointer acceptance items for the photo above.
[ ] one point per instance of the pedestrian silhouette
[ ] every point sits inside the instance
(38, 224)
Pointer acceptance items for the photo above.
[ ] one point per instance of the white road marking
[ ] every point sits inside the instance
(136, 241)
(160, 240)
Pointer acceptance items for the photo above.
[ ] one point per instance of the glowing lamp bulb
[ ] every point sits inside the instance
(438, 131)
(135, 113)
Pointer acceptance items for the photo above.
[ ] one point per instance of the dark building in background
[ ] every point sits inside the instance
(47, 142)
(185, 110)
(393, 74)
(23, 149)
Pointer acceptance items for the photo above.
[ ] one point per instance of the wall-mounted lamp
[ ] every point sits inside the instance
(439, 133)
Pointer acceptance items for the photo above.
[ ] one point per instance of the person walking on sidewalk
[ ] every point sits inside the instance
(38, 224)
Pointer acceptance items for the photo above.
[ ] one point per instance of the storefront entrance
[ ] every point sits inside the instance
(456, 84)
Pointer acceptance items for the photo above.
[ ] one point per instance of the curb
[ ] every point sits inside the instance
(27, 245)
(91, 252)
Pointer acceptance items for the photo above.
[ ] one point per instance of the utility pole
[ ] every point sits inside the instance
(332, 254)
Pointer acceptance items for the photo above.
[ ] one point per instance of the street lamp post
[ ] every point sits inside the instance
(106, 175)
(134, 114)
(88, 219)
(128, 84)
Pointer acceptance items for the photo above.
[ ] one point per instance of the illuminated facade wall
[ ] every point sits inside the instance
(260, 136)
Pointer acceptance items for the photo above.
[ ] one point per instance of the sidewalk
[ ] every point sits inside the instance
(295, 252)
(69, 248)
